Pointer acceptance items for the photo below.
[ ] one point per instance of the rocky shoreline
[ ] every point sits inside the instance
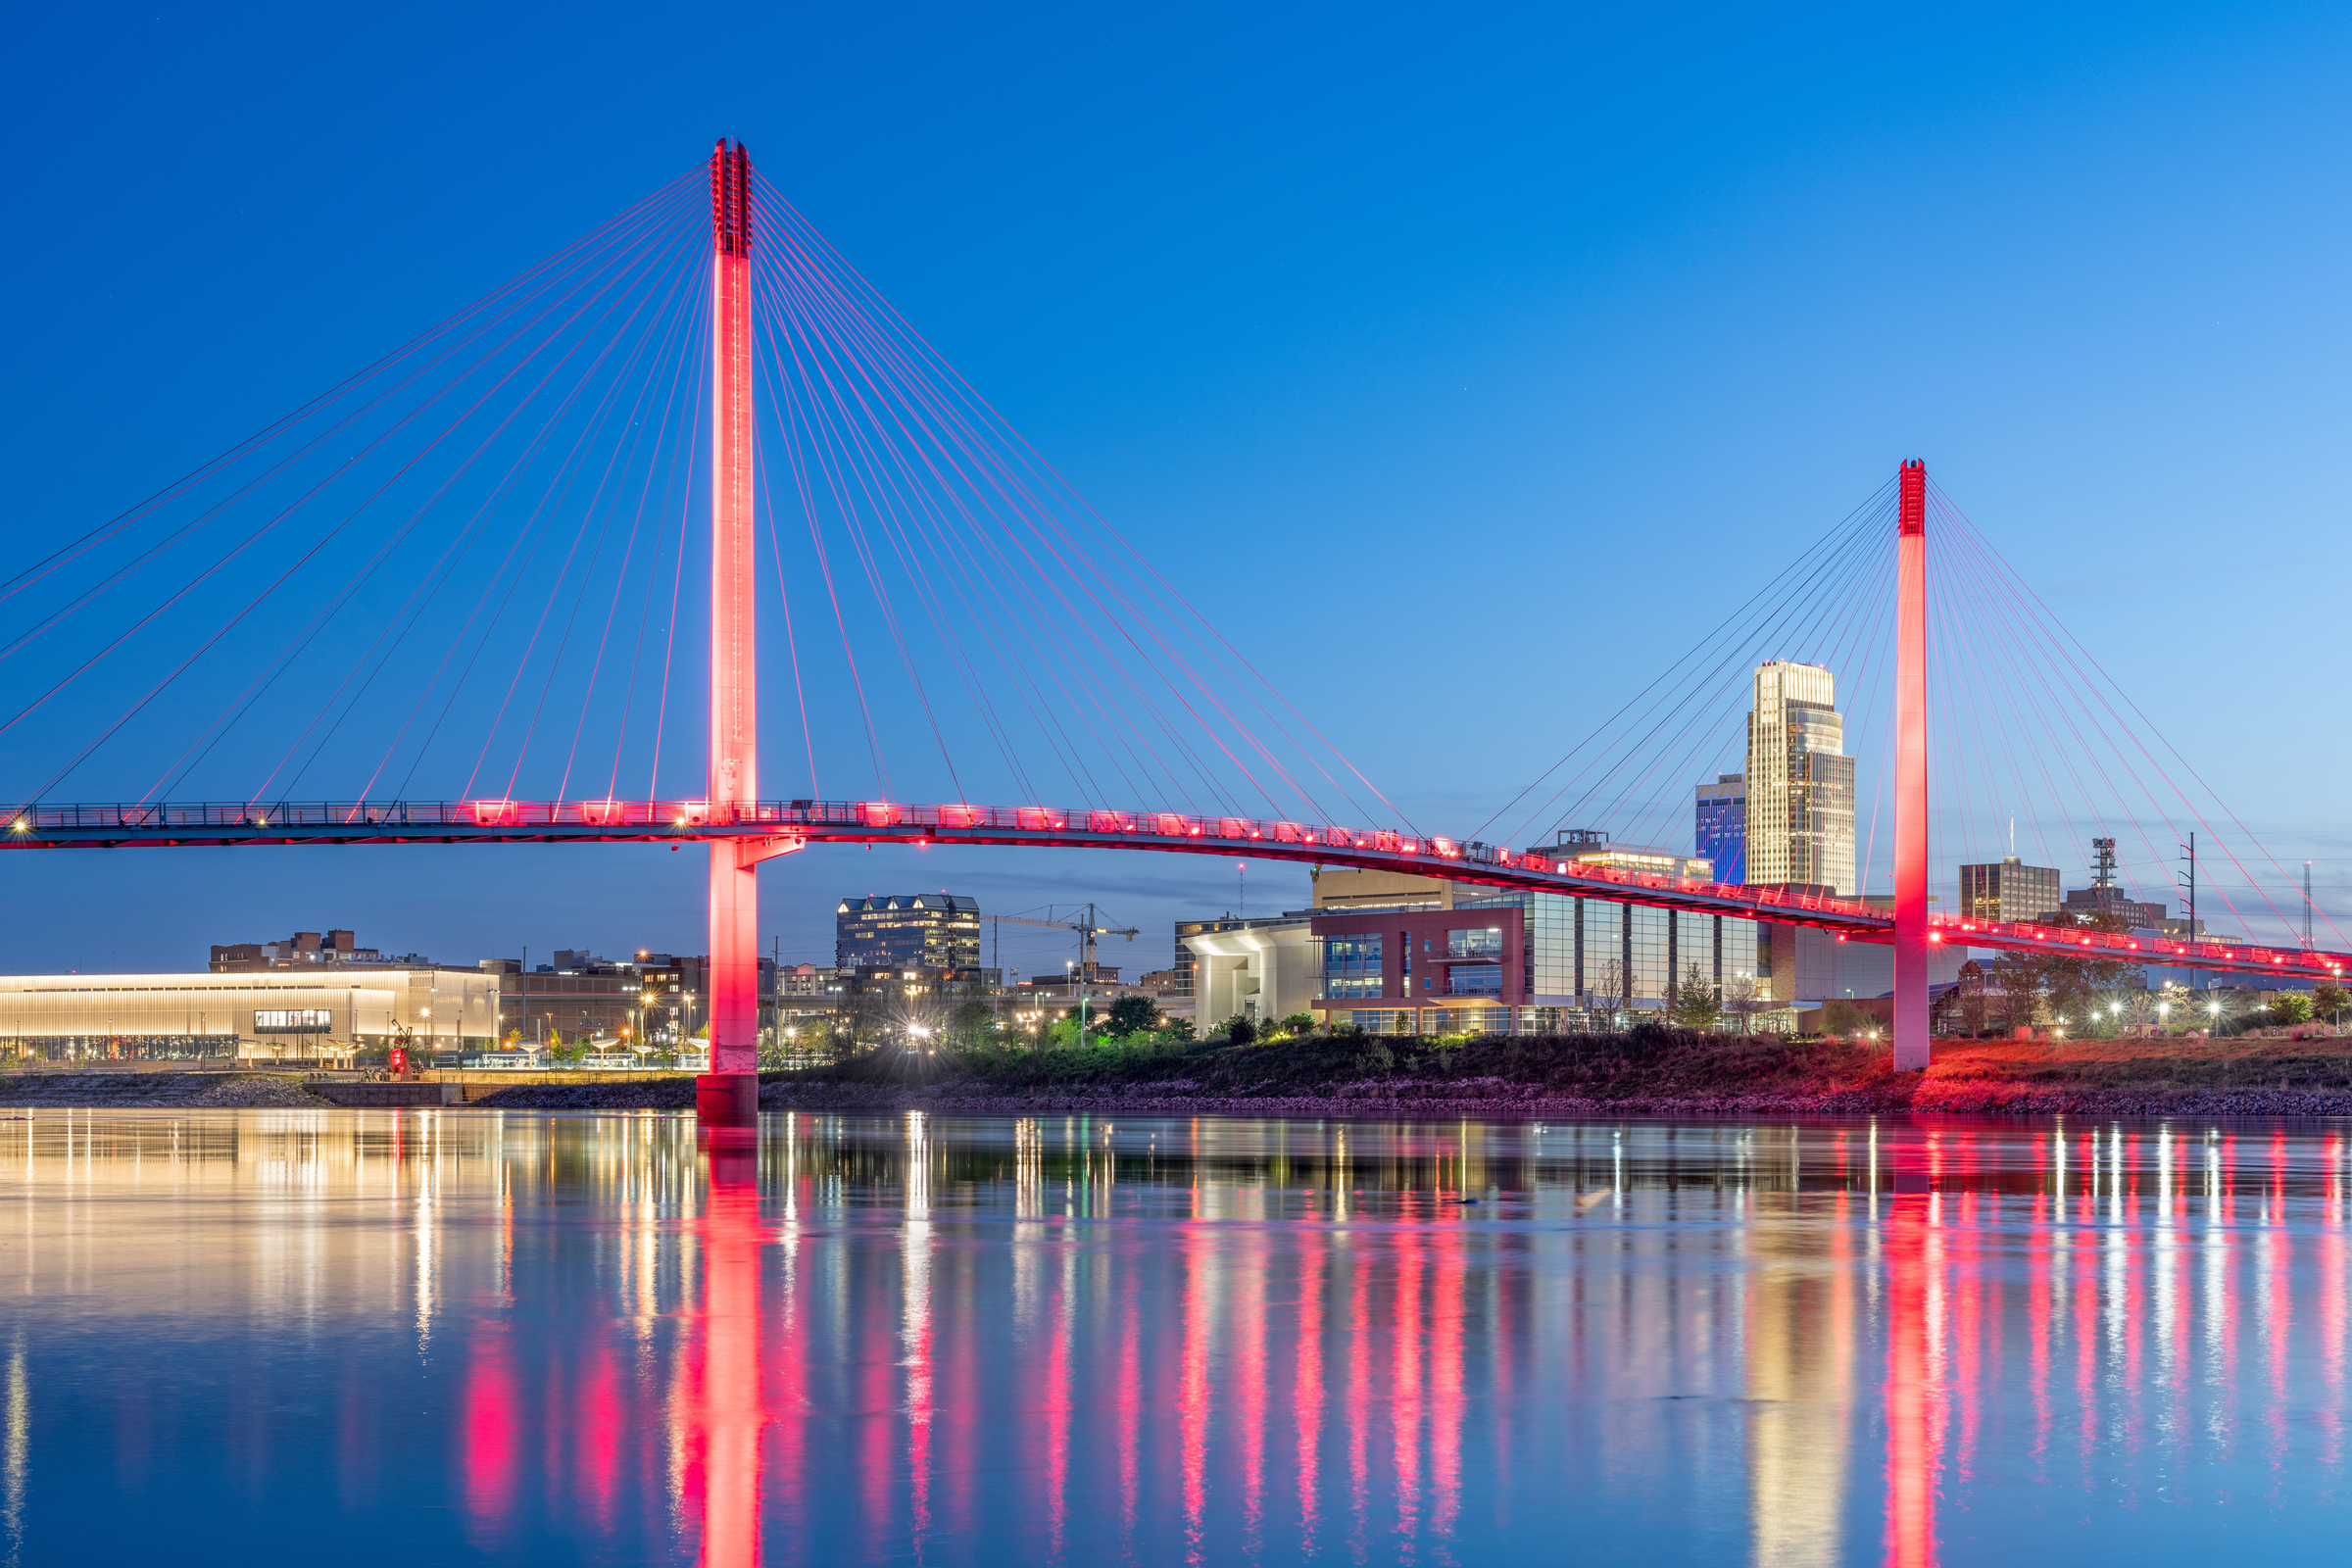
(140, 1091)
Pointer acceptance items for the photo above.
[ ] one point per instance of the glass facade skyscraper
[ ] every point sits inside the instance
(1800, 783)
(1722, 826)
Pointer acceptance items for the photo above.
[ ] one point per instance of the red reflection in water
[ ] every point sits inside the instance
(1404, 1398)
(1057, 1405)
(1249, 1389)
(2040, 1256)
(1415, 1346)
(489, 1426)
(1912, 1438)
(1131, 1408)
(2082, 1277)
(1445, 1382)
(1308, 1396)
(724, 1421)
(2333, 1325)
(1360, 1398)
(598, 1422)
(2279, 1297)
(1192, 1401)
(1969, 1322)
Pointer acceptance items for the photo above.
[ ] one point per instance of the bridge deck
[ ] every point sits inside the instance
(787, 824)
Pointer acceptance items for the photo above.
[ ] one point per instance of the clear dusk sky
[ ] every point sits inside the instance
(1351, 317)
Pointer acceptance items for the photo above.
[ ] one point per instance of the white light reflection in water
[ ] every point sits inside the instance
(440, 1336)
(18, 1446)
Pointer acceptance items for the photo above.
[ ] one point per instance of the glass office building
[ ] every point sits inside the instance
(1800, 783)
(1592, 955)
(909, 931)
(1722, 826)
(1581, 964)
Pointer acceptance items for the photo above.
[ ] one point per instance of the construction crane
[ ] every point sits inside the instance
(1088, 930)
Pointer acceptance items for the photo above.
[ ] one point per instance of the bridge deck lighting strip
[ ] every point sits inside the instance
(509, 821)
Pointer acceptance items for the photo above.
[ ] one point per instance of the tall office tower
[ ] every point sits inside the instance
(1722, 826)
(1800, 783)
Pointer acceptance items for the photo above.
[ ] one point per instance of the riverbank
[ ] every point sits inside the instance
(128, 1091)
(1649, 1073)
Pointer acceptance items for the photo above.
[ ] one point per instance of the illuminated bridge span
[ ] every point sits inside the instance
(544, 474)
(762, 830)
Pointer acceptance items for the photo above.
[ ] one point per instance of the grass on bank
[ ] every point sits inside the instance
(1650, 1061)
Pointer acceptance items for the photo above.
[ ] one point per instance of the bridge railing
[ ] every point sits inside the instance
(2122, 946)
(885, 816)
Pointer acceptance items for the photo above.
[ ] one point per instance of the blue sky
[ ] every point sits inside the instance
(1455, 306)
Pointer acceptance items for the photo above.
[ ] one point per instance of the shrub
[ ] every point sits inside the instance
(1129, 1014)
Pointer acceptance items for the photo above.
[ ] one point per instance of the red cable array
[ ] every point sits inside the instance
(990, 608)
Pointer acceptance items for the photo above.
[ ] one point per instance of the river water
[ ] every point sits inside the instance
(449, 1337)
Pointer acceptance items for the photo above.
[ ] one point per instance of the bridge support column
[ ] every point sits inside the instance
(1911, 772)
(730, 1091)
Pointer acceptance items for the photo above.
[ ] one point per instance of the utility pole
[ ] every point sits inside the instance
(2189, 853)
(2307, 907)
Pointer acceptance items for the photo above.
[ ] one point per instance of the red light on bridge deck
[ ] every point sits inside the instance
(1935, 936)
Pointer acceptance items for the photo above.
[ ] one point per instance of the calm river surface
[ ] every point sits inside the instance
(444, 1337)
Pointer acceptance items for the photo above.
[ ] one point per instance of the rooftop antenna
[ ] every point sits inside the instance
(2013, 838)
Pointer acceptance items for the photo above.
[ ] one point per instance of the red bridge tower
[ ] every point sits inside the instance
(730, 1091)
(1911, 771)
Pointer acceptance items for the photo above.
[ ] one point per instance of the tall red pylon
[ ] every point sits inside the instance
(1911, 772)
(730, 1091)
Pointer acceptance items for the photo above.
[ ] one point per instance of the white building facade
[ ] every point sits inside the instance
(253, 1017)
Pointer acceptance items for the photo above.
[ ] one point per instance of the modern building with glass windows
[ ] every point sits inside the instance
(909, 931)
(1532, 963)
(1800, 783)
(1722, 826)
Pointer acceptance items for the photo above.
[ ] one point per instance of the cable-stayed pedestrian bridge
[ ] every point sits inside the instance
(554, 560)
(761, 831)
